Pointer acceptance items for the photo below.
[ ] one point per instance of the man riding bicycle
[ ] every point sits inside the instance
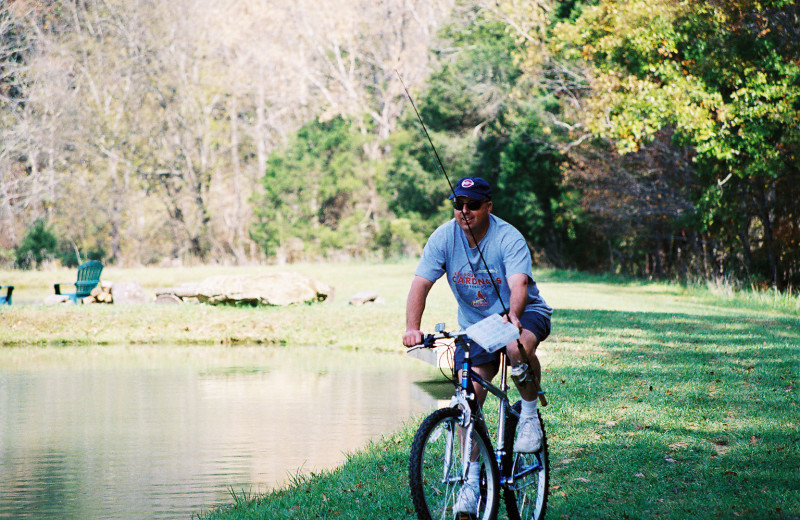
(487, 263)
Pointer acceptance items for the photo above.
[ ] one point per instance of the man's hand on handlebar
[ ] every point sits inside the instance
(412, 338)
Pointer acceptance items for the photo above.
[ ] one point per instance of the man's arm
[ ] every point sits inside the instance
(415, 305)
(518, 282)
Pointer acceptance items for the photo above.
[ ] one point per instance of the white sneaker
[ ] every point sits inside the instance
(529, 435)
(467, 501)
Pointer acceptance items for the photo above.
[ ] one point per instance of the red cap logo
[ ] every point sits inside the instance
(467, 183)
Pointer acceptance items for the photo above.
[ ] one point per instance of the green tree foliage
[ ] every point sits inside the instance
(725, 77)
(415, 189)
(41, 243)
(38, 245)
(462, 96)
(485, 122)
(530, 193)
(317, 194)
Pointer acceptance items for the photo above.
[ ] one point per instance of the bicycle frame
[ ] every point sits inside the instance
(465, 395)
(501, 393)
(510, 471)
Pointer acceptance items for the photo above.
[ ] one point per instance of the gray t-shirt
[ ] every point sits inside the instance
(506, 253)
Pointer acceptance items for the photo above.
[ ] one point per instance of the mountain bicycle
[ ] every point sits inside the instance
(451, 439)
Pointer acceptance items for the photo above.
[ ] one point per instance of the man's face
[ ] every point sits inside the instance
(468, 218)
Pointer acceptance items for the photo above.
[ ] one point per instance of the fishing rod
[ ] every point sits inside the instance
(453, 191)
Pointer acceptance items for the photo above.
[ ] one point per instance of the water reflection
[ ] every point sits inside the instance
(146, 432)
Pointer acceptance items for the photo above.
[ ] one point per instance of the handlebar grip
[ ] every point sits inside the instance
(427, 342)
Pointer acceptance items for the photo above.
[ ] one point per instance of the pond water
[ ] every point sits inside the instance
(167, 432)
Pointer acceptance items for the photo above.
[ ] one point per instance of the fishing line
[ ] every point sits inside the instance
(453, 191)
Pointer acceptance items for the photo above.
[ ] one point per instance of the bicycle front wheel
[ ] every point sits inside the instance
(527, 476)
(436, 467)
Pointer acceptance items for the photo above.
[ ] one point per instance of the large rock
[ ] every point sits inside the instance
(256, 289)
(366, 297)
(128, 292)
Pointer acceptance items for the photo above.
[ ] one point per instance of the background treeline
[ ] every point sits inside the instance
(654, 138)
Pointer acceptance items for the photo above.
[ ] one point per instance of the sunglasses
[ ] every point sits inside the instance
(472, 205)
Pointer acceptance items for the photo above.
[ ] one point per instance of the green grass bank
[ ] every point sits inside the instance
(665, 401)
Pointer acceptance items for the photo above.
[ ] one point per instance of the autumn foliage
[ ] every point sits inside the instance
(655, 138)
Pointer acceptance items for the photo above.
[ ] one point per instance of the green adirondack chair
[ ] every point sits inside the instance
(7, 298)
(88, 278)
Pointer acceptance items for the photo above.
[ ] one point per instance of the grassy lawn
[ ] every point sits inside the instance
(665, 402)
(334, 322)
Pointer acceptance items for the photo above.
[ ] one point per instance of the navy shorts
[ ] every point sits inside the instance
(535, 322)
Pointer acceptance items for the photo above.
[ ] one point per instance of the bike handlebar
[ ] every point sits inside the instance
(429, 339)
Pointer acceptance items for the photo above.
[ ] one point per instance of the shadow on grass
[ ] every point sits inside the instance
(673, 416)
(652, 415)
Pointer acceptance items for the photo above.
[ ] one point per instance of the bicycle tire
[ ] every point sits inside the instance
(526, 494)
(435, 468)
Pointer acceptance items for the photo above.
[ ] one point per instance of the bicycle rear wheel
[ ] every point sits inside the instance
(527, 476)
(436, 472)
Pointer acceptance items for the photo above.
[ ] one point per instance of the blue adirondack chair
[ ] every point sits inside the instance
(88, 278)
(7, 298)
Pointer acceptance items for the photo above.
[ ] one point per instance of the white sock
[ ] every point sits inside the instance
(529, 408)
(474, 474)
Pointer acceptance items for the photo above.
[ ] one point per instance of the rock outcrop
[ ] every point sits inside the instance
(282, 288)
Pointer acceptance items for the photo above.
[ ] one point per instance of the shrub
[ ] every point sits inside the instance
(39, 244)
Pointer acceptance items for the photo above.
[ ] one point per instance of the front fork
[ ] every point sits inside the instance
(500, 450)
(466, 400)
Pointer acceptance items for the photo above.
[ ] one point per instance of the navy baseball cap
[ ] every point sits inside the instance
(472, 187)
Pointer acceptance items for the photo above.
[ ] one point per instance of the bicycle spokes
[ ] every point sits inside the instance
(438, 467)
(524, 465)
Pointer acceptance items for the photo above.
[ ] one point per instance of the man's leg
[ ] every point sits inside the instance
(487, 372)
(526, 373)
(529, 385)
